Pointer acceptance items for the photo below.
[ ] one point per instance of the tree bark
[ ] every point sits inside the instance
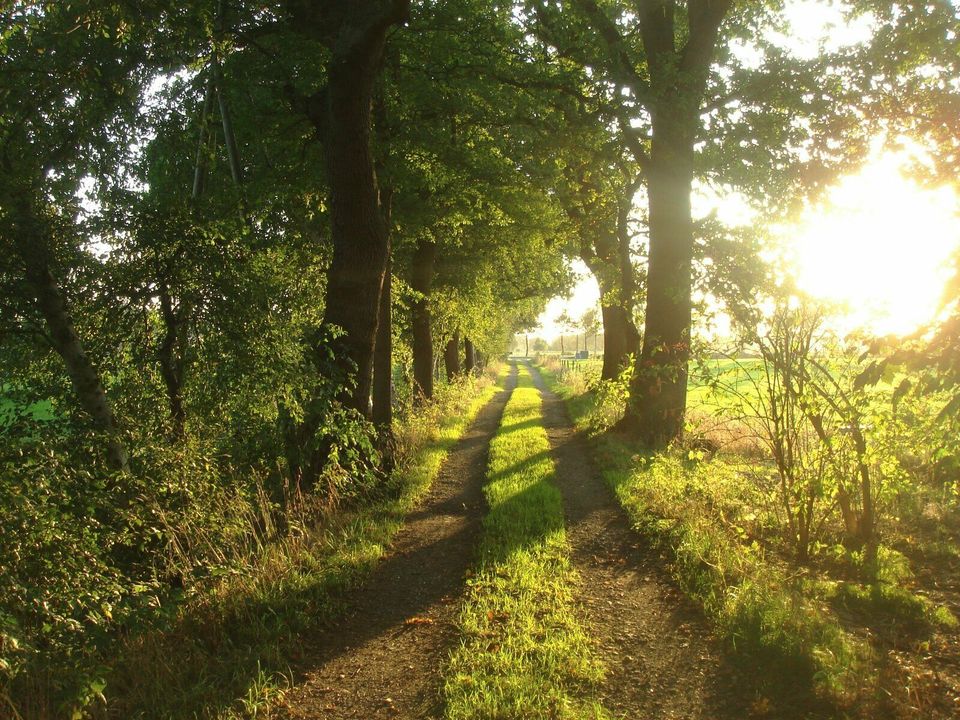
(421, 280)
(470, 356)
(32, 245)
(678, 76)
(658, 390)
(451, 357)
(619, 340)
(341, 112)
(609, 260)
(170, 356)
(383, 358)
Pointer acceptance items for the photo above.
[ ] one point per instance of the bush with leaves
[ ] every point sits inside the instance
(831, 441)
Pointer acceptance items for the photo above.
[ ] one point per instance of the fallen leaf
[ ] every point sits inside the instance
(419, 620)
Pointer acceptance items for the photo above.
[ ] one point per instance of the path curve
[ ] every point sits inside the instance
(384, 658)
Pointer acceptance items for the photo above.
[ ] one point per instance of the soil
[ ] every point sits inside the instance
(662, 661)
(384, 658)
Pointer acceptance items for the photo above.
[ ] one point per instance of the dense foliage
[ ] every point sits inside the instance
(235, 238)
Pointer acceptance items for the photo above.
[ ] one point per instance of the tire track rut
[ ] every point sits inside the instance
(383, 658)
(661, 659)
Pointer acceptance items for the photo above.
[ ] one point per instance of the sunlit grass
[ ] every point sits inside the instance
(524, 653)
(721, 534)
(690, 511)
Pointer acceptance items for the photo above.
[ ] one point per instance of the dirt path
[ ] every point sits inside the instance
(661, 660)
(383, 659)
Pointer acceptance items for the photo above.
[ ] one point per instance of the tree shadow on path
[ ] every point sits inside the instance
(383, 657)
(662, 657)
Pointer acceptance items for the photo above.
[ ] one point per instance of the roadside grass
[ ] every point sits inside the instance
(225, 652)
(524, 653)
(713, 521)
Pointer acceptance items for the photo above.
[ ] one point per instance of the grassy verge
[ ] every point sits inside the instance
(524, 653)
(686, 509)
(225, 652)
(713, 518)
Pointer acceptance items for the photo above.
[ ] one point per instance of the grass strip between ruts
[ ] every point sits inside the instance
(523, 653)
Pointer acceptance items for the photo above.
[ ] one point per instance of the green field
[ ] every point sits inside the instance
(713, 383)
(724, 383)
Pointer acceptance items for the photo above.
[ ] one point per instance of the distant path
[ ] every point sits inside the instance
(657, 646)
(383, 659)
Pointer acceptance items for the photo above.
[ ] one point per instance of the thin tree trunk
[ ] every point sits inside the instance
(383, 358)
(421, 280)
(470, 356)
(608, 257)
(620, 340)
(614, 347)
(170, 356)
(32, 245)
(451, 357)
(200, 171)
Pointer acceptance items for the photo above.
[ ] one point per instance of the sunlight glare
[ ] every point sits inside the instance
(879, 246)
(582, 297)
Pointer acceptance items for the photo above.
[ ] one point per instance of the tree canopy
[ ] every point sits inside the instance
(212, 215)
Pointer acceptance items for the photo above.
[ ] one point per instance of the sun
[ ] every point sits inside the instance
(879, 245)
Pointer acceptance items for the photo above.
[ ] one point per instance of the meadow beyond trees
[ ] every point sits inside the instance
(267, 444)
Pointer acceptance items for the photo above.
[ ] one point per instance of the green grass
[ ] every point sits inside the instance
(714, 519)
(694, 512)
(725, 384)
(524, 653)
(225, 652)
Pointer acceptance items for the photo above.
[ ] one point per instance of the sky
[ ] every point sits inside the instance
(880, 246)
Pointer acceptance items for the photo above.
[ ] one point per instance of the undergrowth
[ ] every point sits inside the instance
(224, 647)
(524, 653)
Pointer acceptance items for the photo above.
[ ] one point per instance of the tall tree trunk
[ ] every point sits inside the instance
(383, 358)
(32, 245)
(616, 345)
(627, 290)
(607, 255)
(356, 36)
(341, 112)
(470, 356)
(421, 280)
(673, 82)
(451, 357)
(658, 391)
